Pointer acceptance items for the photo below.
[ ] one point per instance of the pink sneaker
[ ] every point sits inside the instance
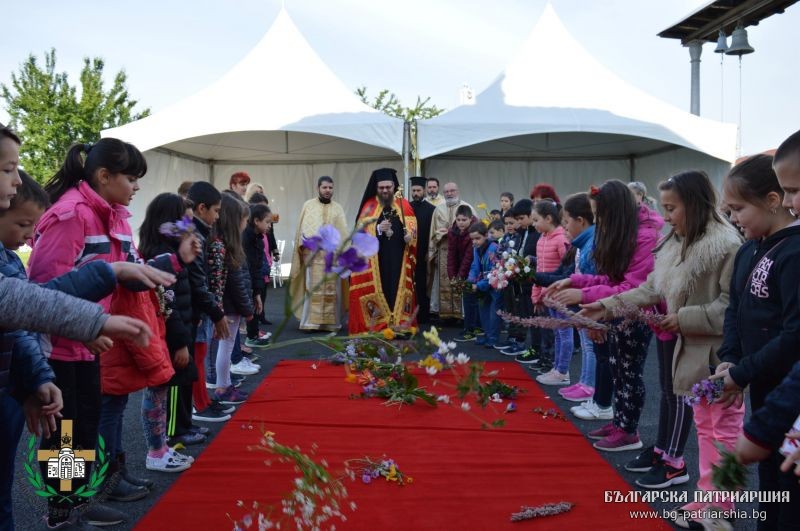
(619, 441)
(601, 433)
(581, 394)
(569, 389)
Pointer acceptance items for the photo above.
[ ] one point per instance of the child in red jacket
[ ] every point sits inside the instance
(127, 368)
(459, 261)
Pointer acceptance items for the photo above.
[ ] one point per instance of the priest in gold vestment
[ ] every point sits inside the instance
(321, 308)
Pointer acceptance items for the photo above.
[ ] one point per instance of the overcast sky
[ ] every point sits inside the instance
(414, 47)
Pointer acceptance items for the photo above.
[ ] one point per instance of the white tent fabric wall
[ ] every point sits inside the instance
(484, 180)
(164, 174)
(288, 186)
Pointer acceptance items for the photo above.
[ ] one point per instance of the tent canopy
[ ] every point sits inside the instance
(280, 103)
(554, 100)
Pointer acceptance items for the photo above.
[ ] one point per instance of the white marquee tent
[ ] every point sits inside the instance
(557, 115)
(281, 115)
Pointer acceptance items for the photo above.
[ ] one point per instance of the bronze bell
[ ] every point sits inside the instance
(722, 43)
(739, 45)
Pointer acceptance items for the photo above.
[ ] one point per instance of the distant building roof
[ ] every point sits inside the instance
(705, 23)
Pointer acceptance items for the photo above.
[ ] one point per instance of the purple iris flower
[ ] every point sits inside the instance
(348, 262)
(178, 228)
(366, 478)
(365, 244)
(330, 238)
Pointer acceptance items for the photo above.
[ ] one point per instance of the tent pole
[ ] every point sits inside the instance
(406, 149)
(211, 172)
(632, 168)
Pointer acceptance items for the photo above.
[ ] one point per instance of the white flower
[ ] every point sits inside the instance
(509, 273)
(465, 406)
(450, 359)
(462, 358)
(527, 269)
(451, 345)
(511, 243)
(314, 366)
(443, 398)
(505, 255)
(431, 370)
(496, 398)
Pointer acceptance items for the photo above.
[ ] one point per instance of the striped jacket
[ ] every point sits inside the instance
(79, 228)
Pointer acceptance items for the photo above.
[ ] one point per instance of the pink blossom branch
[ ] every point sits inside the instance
(630, 313)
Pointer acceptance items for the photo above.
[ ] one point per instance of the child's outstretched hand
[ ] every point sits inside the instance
(793, 457)
(99, 345)
(594, 311)
(42, 408)
(147, 275)
(189, 249)
(123, 327)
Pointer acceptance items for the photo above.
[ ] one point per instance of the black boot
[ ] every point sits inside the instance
(133, 480)
(116, 488)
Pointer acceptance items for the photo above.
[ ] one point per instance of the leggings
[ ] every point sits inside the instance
(674, 415)
(154, 417)
(224, 350)
(628, 350)
(603, 380)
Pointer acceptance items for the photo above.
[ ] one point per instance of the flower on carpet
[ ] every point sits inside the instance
(370, 468)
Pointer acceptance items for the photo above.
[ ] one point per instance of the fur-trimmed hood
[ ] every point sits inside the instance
(676, 280)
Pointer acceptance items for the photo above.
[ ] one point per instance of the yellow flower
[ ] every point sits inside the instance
(413, 330)
(409, 480)
(388, 334)
(430, 361)
(482, 206)
(432, 337)
(392, 475)
(351, 378)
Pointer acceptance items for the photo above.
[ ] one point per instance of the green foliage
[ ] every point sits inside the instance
(50, 114)
(388, 103)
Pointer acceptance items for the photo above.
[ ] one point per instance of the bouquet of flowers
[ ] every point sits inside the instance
(461, 286)
(510, 266)
(711, 390)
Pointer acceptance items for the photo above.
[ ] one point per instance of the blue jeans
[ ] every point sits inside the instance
(588, 360)
(110, 427)
(563, 345)
(470, 303)
(488, 305)
(13, 422)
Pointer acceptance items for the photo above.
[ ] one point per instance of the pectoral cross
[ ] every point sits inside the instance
(65, 447)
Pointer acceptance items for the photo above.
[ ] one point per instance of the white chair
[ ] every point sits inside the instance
(276, 271)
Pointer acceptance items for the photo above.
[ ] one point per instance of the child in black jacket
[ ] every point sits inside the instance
(258, 224)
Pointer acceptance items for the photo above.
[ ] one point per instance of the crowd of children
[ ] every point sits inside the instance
(184, 285)
(722, 285)
(112, 318)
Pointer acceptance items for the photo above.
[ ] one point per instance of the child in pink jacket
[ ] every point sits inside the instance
(625, 236)
(550, 251)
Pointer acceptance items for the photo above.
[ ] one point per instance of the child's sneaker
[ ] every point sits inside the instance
(243, 368)
(465, 336)
(619, 441)
(219, 408)
(481, 340)
(528, 357)
(662, 475)
(553, 378)
(579, 394)
(477, 332)
(166, 463)
(261, 342)
(643, 462)
(187, 439)
(231, 396)
(179, 456)
(601, 433)
(504, 345)
(210, 414)
(589, 410)
(515, 349)
(568, 389)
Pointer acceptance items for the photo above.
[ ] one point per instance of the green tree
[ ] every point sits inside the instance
(388, 103)
(50, 116)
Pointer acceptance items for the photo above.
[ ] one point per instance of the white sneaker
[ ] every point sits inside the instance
(166, 463)
(248, 362)
(179, 456)
(581, 406)
(591, 411)
(210, 385)
(242, 368)
(553, 378)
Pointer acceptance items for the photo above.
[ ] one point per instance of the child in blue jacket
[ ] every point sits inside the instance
(491, 300)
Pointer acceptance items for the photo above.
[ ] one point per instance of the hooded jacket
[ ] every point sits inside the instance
(762, 322)
(697, 289)
(596, 287)
(459, 251)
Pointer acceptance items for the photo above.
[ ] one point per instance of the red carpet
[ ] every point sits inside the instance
(464, 477)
